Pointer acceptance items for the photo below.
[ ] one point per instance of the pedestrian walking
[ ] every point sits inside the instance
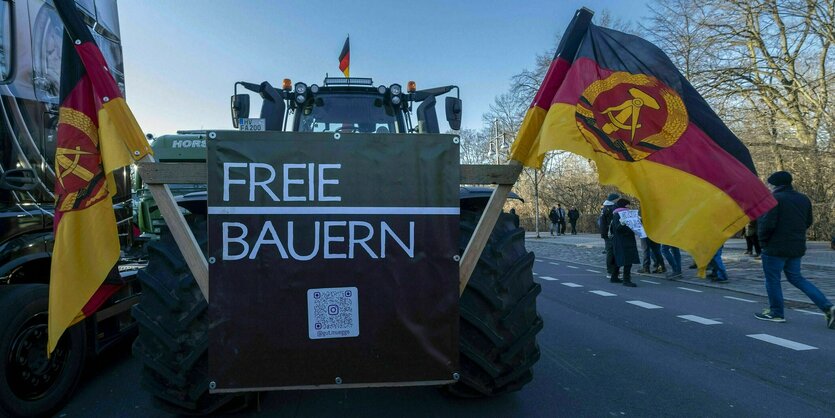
(560, 220)
(573, 215)
(653, 261)
(719, 272)
(673, 257)
(782, 234)
(752, 241)
(603, 222)
(552, 216)
(623, 245)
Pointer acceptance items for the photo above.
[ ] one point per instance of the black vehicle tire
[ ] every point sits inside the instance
(173, 337)
(32, 385)
(499, 321)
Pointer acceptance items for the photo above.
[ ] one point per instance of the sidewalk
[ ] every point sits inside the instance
(745, 273)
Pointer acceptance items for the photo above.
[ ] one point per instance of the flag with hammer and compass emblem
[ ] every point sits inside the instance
(619, 101)
(97, 134)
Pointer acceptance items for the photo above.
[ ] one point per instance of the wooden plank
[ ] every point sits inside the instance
(159, 173)
(482, 232)
(182, 234)
(490, 174)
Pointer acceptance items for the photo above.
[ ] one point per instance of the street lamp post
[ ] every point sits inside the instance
(498, 145)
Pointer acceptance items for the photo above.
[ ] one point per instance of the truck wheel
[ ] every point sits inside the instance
(31, 384)
(499, 322)
(173, 337)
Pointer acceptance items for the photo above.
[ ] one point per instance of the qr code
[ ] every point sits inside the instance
(332, 313)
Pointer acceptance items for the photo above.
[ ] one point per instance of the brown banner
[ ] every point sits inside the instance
(332, 260)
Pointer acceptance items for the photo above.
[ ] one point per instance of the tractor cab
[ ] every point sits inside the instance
(347, 105)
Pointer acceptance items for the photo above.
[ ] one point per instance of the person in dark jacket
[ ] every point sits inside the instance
(552, 216)
(573, 215)
(603, 222)
(515, 217)
(782, 234)
(623, 245)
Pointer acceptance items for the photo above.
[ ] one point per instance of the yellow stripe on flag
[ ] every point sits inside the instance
(121, 138)
(89, 246)
(527, 148)
(677, 208)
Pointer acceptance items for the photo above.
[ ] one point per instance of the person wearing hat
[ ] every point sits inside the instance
(782, 234)
(603, 222)
(623, 245)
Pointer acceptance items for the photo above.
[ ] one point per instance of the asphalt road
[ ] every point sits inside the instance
(661, 349)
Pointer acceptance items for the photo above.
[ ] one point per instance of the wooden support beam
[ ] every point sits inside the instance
(481, 234)
(159, 173)
(490, 174)
(179, 228)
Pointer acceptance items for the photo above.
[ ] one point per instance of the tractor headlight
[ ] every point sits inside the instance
(301, 88)
(314, 88)
(395, 100)
(300, 98)
(381, 89)
(395, 89)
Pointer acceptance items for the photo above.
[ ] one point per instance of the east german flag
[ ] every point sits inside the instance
(345, 58)
(618, 100)
(97, 134)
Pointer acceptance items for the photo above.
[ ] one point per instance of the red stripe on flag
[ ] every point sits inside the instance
(697, 154)
(345, 62)
(551, 83)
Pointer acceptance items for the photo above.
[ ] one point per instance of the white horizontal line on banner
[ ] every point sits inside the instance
(331, 210)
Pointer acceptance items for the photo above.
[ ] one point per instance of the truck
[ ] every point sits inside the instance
(32, 384)
(498, 320)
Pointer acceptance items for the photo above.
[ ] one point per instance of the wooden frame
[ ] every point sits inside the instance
(158, 175)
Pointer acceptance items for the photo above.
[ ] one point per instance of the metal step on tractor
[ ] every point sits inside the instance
(328, 238)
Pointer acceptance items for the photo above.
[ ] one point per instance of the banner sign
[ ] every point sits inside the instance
(632, 219)
(332, 260)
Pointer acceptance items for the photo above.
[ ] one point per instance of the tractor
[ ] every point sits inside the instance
(498, 320)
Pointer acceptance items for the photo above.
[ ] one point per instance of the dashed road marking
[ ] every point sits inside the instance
(740, 299)
(549, 278)
(539, 261)
(643, 304)
(650, 281)
(569, 284)
(690, 290)
(536, 274)
(809, 312)
(699, 319)
(602, 293)
(782, 342)
(572, 267)
(551, 262)
(592, 271)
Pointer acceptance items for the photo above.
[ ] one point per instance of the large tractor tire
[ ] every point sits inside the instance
(499, 321)
(32, 384)
(173, 337)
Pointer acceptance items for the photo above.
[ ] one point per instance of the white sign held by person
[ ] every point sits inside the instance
(631, 219)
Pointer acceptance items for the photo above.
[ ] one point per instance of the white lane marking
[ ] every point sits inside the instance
(539, 261)
(551, 262)
(699, 319)
(572, 267)
(643, 304)
(536, 274)
(690, 290)
(808, 312)
(740, 299)
(602, 293)
(650, 281)
(592, 271)
(549, 278)
(569, 284)
(782, 342)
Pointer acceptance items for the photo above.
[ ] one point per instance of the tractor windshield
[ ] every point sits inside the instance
(348, 113)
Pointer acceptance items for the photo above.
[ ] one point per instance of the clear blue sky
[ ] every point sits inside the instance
(182, 57)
